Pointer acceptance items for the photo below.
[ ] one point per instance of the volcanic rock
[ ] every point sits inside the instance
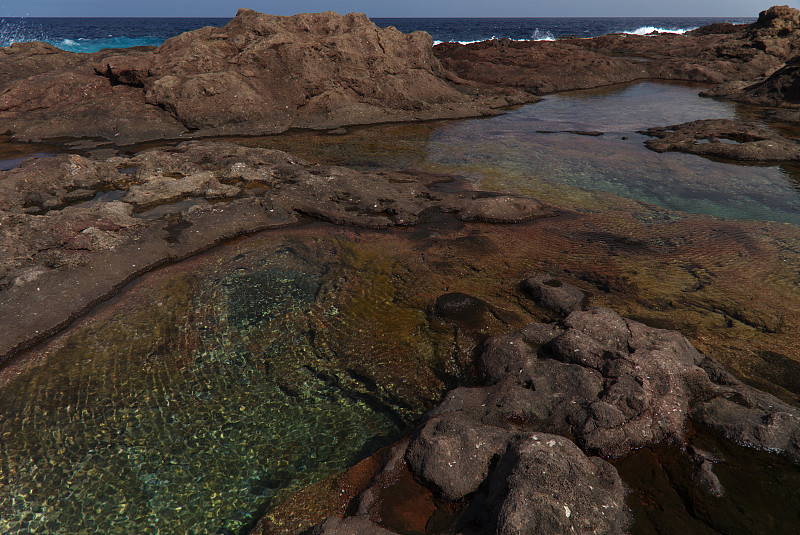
(512, 482)
(781, 89)
(723, 138)
(614, 385)
(258, 74)
(715, 54)
(106, 221)
(551, 293)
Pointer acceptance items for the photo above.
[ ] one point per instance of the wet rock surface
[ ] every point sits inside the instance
(258, 74)
(723, 138)
(551, 293)
(612, 385)
(162, 205)
(615, 384)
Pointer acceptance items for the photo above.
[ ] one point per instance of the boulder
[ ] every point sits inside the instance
(551, 293)
(614, 385)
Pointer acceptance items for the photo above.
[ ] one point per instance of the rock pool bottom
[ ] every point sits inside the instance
(211, 390)
(165, 416)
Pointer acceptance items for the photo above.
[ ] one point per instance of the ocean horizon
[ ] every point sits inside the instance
(76, 34)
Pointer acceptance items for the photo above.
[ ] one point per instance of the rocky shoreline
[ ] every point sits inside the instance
(527, 450)
(608, 384)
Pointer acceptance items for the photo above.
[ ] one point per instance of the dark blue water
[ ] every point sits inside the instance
(91, 34)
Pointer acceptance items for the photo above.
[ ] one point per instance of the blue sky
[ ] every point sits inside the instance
(394, 8)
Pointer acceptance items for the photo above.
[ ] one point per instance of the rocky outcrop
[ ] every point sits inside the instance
(780, 89)
(258, 74)
(714, 54)
(511, 482)
(723, 138)
(614, 385)
(103, 222)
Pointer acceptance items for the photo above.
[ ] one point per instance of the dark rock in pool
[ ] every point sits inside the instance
(462, 309)
(353, 525)
(723, 138)
(609, 383)
(521, 482)
(551, 293)
(613, 385)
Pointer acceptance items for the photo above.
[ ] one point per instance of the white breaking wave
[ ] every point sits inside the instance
(537, 36)
(647, 30)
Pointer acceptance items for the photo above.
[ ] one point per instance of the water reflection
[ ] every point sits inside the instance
(511, 153)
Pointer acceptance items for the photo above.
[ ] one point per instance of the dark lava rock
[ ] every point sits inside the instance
(704, 474)
(353, 525)
(613, 385)
(533, 482)
(723, 138)
(454, 452)
(257, 74)
(781, 89)
(544, 484)
(551, 293)
(609, 383)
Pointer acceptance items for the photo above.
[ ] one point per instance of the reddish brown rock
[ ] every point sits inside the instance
(715, 54)
(71, 217)
(258, 74)
(723, 138)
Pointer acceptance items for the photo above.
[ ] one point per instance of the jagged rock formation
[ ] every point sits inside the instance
(258, 74)
(713, 54)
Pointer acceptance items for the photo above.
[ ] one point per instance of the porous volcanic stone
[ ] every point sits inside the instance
(258, 74)
(723, 138)
(551, 293)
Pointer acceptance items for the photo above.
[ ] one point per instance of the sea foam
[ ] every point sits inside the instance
(647, 30)
(537, 35)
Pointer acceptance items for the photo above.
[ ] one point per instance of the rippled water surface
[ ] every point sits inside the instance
(172, 414)
(211, 390)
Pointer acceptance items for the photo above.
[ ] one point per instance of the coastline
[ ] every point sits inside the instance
(79, 256)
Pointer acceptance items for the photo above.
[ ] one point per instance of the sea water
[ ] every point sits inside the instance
(92, 34)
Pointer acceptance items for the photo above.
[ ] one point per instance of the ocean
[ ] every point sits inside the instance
(92, 34)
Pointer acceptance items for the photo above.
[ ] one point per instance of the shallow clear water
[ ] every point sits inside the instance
(167, 416)
(511, 153)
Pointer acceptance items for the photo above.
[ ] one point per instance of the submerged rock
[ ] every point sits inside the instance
(723, 138)
(106, 221)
